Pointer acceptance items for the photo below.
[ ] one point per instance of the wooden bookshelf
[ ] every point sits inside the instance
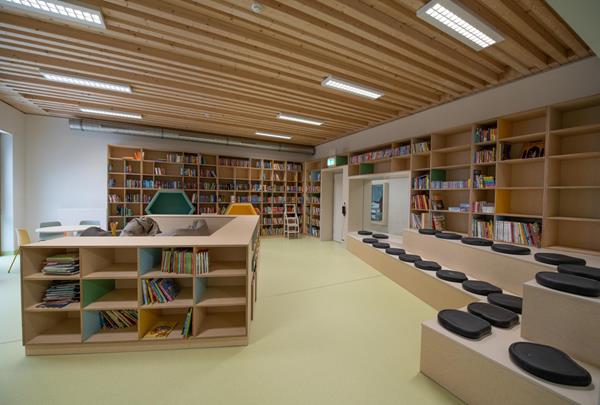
(312, 197)
(211, 183)
(112, 272)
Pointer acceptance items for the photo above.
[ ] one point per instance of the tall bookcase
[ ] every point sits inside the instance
(211, 182)
(312, 188)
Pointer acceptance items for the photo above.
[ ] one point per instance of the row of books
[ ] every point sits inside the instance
(420, 202)
(484, 207)
(207, 198)
(484, 156)
(316, 211)
(180, 261)
(522, 233)
(420, 147)
(202, 262)
(133, 183)
(188, 171)
(483, 181)
(124, 211)
(462, 207)
(234, 162)
(114, 198)
(438, 222)
(272, 221)
(272, 210)
(314, 199)
(135, 198)
(421, 182)
(61, 265)
(207, 210)
(449, 184)
(313, 189)
(373, 155)
(159, 290)
(315, 175)
(59, 294)
(208, 186)
(208, 173)
(484, 134)
(315, 222)
(179, 158)
(119, 319)
(271, 231)
(482, 228)
(402, 150)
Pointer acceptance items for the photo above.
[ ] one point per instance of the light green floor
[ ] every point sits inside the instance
(328, 329)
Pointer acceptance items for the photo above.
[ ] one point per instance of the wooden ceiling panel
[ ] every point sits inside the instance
(216, 66)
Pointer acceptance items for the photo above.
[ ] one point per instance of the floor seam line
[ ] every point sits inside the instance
(323, 286)
(10, 341)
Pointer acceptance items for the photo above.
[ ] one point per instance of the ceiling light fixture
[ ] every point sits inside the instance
(298, 118)
(60, 9)
(111, 113)
(81, 81)
(459, 23)
(350, 87)
(271, 135)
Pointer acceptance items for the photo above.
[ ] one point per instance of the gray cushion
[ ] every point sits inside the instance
(581, 271)
(569, 283)
(480, 287)
(451, 276)
(557, 258)
(464, 324)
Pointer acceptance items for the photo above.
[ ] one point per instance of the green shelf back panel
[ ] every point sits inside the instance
(94, 289)
(438, 175)
(91, 324)
(149, 258)
(170, 202)
(200, 288)
(366, 168)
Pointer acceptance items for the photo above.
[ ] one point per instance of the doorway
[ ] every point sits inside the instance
(338, 202)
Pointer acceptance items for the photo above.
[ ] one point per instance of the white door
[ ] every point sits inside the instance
(338, 201)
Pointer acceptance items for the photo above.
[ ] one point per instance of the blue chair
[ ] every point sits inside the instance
(90, 222)
(50, 235)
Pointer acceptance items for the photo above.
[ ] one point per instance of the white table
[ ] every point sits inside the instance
(66, 229)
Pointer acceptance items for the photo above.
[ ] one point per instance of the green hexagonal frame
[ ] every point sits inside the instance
(174, 202)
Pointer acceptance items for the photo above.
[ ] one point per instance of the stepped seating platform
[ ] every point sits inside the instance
(508, 272)
(566, 321)
(481, 371)
(456, 362)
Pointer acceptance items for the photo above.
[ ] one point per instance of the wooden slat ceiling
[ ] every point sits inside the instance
(216, 66)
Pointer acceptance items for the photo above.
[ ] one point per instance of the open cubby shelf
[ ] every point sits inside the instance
(112, 279)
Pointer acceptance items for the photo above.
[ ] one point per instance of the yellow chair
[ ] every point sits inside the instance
(241, 209)
(22, 239)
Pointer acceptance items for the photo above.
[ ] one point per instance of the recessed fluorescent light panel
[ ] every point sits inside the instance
(350, 87)
(298, 118)
(111, 113)
(271, 135)
(82, 81)
(459, 23)
(71, 12)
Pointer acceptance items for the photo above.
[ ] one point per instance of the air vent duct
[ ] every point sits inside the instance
(87, 125)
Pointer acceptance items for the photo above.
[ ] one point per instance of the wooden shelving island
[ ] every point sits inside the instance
(113, 272)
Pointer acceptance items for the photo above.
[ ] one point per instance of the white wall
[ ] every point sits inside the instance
(12, 174)
(66, 173)
(397, 208)
(576, 80)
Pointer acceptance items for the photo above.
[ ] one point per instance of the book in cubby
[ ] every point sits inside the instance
(449, 179)
(165, 323)
(484, 178)
(421, 145)
(483, 207)
(484, 154)
(402, 149)
(51, 295)
(420, 220)
(521, 231)
(420, 201)
(114, 325)
(33, 265)
(421, 181)
(482, 227)
(485, 133)
(166, 292)
(384, 152)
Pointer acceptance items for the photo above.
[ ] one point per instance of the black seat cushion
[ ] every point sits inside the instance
(557, 258)
(510, 302)
(427, 231)
(381, 245)
(464, 324)
(476, 241)
(380, 236)
(370, 240)
(395, 251)
(549, 364)
(581, 271)
(510, 249)
(365, 233)
(480, 287)
(409, 258)
(497, 316)
(448, 235)
(569, 283)
(452, 276)
(427, 265)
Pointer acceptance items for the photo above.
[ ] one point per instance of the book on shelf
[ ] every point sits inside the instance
(462, 207)
(482, 180)
(485, 155)
(161, 329)
(60, 293)
(373, 155)
(61, 265)
(422, 220)
(402, 150)
(421, 182)
(438, 222)
(533, 150)
(119, 319)
(449, 185)
(522, 233)
(482, 228)
(161, 290)
(202, 262)
(420, 202)
(186, 331)
(178, 261)
(421, 147)
(483, 207)
(484, 134)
